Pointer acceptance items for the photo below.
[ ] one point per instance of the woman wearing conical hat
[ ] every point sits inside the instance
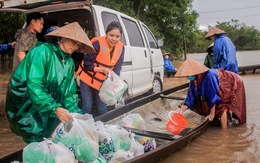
(224, 50)
(213, 93)
(42, 88)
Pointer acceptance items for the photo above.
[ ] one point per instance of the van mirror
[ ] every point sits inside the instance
(160, 43)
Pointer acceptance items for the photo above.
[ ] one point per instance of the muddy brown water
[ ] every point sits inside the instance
(236, 144)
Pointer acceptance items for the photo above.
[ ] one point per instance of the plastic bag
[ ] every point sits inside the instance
(148, 143)
(133, 121)
(47, 152)
(112, 89)
(109, 141)
(80, 136)
(118, 156)
(124, 136)
(136, 147)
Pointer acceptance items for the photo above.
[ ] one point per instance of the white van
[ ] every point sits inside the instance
(143, 61)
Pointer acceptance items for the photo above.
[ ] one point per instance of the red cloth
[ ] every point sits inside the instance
(232, 94)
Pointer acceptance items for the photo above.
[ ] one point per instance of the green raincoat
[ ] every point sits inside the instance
(43, 81)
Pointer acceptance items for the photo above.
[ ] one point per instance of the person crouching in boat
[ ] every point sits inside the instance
(42, 89)
(213, 93)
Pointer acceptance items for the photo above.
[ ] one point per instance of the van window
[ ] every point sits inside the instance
(133, 32)
(151, 39)
(108, 18)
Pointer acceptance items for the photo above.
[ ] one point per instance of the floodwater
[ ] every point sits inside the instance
(236, 144)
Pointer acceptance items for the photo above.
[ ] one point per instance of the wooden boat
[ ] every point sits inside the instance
(154, 110)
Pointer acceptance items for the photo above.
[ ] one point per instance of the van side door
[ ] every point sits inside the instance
(142, 75)
(155, 51)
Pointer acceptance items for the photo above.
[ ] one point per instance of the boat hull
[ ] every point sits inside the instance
(152, 107)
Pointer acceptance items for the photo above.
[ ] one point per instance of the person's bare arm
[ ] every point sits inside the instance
(211, 115)
(183, 109)
(63, 114)
(13, 44)
(21, 56)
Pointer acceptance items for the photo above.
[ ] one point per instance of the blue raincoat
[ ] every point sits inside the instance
(168, 65)
(221, 88)
(4, 48)
(225, 54)
(206, 91)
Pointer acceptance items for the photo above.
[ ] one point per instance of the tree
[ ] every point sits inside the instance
(9, 23)
(172, 21)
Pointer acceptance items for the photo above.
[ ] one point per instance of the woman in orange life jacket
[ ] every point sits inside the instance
(109, 56)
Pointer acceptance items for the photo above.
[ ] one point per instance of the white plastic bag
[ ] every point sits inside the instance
(47, 152)
(80, 136)
(134, 120)
(112, 89)
(136, 147)
(109, 141)
(118, 156)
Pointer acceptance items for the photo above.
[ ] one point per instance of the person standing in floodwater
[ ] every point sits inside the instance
(214, 93)
(224, 50)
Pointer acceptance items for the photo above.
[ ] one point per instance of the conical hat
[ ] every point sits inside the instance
(190, 68)
(74, 32)
(213, 31)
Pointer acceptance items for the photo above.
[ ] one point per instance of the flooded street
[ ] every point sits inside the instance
(236, 144)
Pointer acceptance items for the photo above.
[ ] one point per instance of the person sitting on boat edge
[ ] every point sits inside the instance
(213, 93)
(209, 59)
(42, 89)
(224, 50)
(169, 68)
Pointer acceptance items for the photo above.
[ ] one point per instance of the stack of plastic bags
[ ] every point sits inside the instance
(80, 136)
(84, 140)
(137, 122)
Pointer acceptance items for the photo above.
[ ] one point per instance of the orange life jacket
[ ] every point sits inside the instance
(104, 59)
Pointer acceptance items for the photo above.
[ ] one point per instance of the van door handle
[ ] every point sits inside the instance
(145, 54)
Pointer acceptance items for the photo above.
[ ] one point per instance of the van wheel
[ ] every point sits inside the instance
(157, 85)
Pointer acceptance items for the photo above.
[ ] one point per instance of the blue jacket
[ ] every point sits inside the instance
(225, 54)
(208, 90)
(168, 65)
(4, 48)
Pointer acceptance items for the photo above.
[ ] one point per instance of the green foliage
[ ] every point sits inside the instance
(9, 23)
(173, 21)
(244, 37)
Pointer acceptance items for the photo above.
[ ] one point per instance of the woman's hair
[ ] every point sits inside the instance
(114, 25)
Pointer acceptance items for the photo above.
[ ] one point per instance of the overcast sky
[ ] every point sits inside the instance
(213, 11)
